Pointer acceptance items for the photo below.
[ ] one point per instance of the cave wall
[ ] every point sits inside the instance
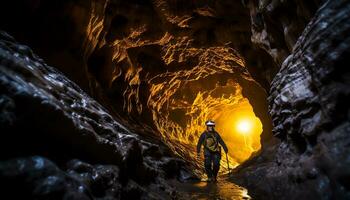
(112, 49)
(59, 143)
(314, 121)
(116, 51)
(276, 25)
(310, 117)
(296, 50)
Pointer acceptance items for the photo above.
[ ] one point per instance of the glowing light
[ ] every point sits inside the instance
(244, 126)
(182, 100)
(234, 117)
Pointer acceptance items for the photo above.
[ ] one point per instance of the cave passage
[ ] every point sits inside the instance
(183, 121)
(181, 100)
(106, 99)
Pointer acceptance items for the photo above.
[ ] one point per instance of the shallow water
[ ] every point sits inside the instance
(223, 190)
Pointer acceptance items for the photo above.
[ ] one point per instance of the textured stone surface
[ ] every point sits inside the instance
(276, 25)
(309, 106)
(44, 113)
(148, 61)
(118, 50)
(39, 178)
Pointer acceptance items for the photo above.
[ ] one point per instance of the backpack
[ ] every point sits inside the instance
(211, 142)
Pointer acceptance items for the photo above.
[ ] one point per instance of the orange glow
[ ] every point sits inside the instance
(241, 130)
(244, 126)
(182, 100)
(234, 117)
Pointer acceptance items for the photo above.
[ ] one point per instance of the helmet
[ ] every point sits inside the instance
(210, 123)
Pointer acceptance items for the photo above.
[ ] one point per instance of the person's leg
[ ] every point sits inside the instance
(207, 166)
(216, 164)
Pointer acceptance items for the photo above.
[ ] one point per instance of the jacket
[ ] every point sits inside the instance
(207, 151)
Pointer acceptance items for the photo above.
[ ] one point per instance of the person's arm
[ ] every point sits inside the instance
(200, 142)
(222, 143)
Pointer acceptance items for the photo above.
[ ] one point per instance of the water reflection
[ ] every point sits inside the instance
(222, 189)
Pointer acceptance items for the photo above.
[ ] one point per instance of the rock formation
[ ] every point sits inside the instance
(155, 66)
(44, 113)
(156, 58)
(310, 115)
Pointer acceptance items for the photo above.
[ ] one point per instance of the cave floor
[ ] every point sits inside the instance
(202, 190)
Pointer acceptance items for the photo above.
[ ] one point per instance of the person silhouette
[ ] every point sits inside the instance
(212, 143)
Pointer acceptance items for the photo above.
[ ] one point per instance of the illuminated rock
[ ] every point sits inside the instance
(163, 67)
(157, 64)
(44, 113)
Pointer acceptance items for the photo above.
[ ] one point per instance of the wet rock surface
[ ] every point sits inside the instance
(53, 133)
(120, 51)
(39, 178)
(309, 107)
(276, 25)
(47, 120)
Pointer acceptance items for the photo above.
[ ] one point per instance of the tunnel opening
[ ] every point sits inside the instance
(180, 114)
(180, 101)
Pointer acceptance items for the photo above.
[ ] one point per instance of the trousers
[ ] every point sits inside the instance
(212, 163)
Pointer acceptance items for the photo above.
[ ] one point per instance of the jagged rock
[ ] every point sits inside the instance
(276, 25)
(48, 106)
(118, 50)
(44, 113)
(310, 116)
(38, 178)
(134, 165)
(102, 180)
(171, 167)
(120, 56)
